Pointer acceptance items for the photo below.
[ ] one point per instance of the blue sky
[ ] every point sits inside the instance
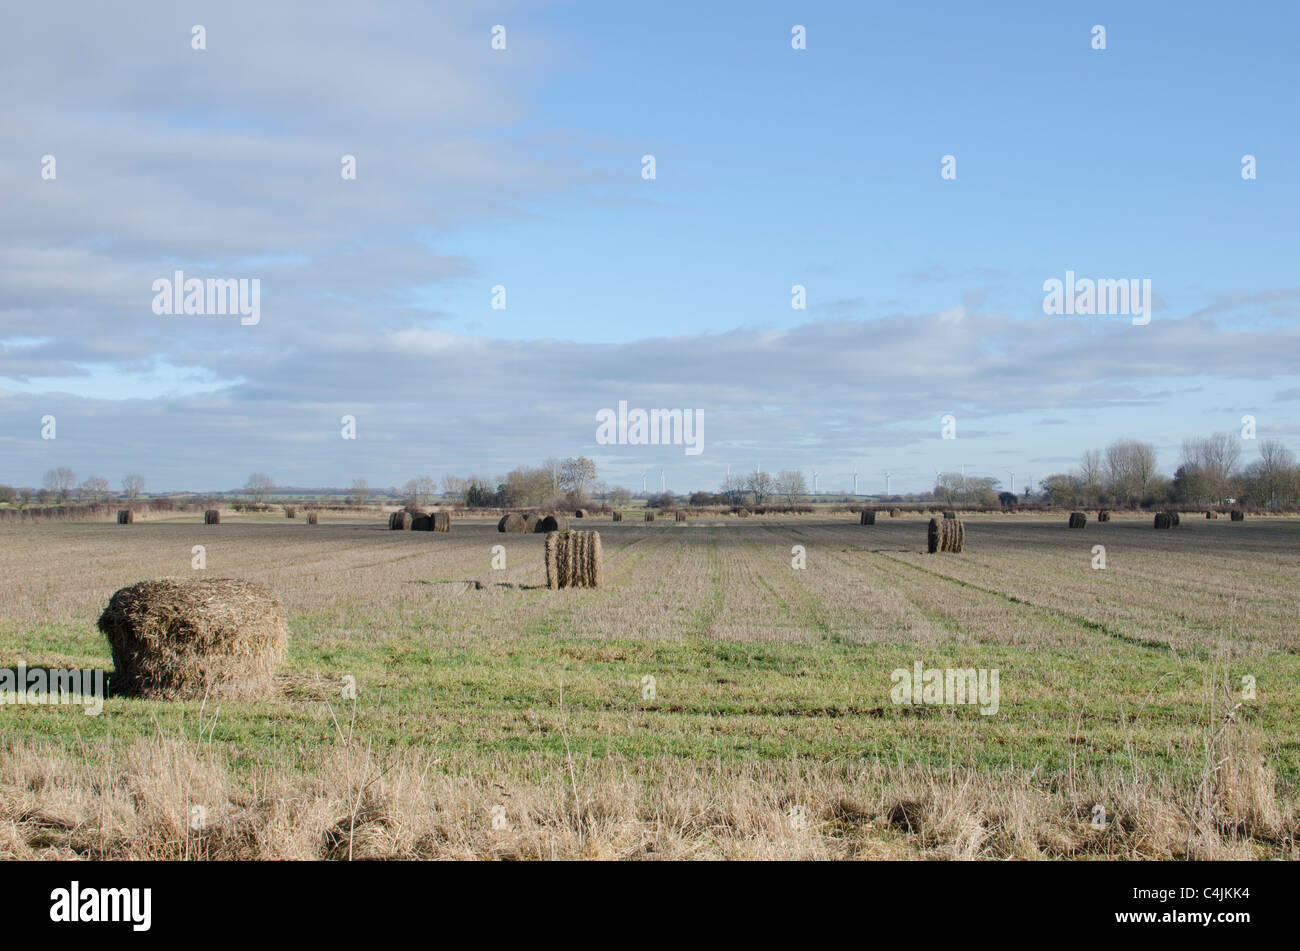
(521, 167)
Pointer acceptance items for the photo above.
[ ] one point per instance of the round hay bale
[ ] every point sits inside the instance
(440, 521)
(1237, 515)
(422, 523)
(552, 523)
(1078, 520)
(893, 513)
(212, 517)
(187, 640)
(945, 535)
(573, 559)
(579, 513)
(679, 516)
(1173, 516)
(1163, 520)
(868, 517)
(513, 522)
(618, 516)
(290, 512)
(1103, 515)
(742, 513)
(530, 523)
(949, 514)
(313, 518)
(649, 516)
(401, 521)
(125, 517)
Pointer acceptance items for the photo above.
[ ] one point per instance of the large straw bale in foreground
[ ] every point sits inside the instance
(187, 640)
(573, 559)
(946, 535)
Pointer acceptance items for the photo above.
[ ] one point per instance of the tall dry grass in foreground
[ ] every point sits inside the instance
(177, 799)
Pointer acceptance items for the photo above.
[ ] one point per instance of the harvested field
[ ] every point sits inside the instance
(771, 679)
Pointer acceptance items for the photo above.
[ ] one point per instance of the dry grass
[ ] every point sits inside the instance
(177, 798)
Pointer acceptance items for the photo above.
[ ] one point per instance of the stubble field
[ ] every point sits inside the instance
(711, 700)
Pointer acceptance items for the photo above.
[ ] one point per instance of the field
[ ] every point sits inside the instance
(711, 700)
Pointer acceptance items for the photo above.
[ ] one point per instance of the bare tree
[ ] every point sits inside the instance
(791, 484)
(1210, 463)
(259, 486)
(454, 487)
(950, 487)
(420, 491)
(576, 473)
(58, 482)
(133, 485)
(759, 484)
(94, 489)
(360, 490)
(1091, 472)
(1129, 467)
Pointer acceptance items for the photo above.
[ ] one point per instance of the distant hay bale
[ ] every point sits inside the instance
(649, 516)
(1078, 520)
(1163, 520)
(422, 523)
(679, 516)
(313, 518)
(401, 521)
(441, 522)
(552, 523)
(945, 535)
(290, 512)
(742, 513)
(1175, 518)
(868, 517)
(579, 513)
(191, 640)
(513, 522)
(1237, 515)
(125, 516)
(949, 514)
(618, 516)
(212, 517)
(893, 513)
(530, 523)
(573, 559)
(1210, 513)
(1103, 515)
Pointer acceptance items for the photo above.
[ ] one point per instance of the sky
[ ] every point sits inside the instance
(522, 168)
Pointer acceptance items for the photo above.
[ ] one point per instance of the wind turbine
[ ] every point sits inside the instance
(814, 482)
(643, 472)
(887, 475)
(1013, 480)
(663, 486)
(855, 480)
